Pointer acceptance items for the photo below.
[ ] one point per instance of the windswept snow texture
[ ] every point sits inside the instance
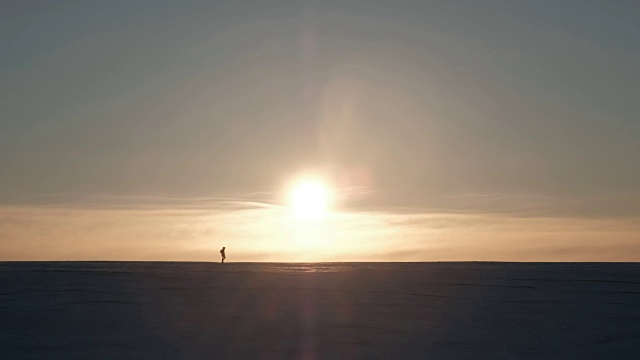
(131, 310)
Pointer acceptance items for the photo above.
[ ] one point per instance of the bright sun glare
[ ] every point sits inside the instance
(309, 199)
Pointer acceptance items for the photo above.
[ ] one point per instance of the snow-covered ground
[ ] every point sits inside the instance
(116, 310)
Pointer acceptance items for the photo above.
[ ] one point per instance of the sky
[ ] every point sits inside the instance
(447, 130)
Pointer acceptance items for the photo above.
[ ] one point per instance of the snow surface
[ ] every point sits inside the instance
(146, 310)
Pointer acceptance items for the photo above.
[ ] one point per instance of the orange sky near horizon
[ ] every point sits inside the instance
(273, 233)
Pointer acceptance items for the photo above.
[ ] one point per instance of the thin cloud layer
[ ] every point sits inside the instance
(254, 231)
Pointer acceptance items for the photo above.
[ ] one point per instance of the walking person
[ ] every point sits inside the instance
(222, 254)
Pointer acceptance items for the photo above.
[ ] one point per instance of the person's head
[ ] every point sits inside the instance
(223, 248)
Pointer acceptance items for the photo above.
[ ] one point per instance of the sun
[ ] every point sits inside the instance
(309, 198)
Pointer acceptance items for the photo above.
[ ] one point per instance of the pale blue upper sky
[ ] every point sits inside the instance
(500, 103)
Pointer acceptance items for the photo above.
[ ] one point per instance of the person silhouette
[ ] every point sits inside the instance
(222, 254)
